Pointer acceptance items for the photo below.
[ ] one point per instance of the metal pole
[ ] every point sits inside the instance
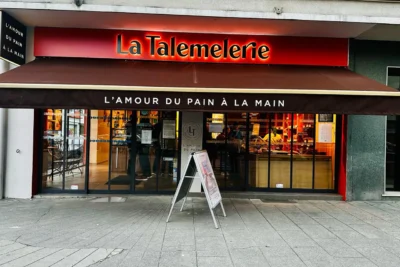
(222, 207)
(4, 66)
(183, 204)
(3, 149)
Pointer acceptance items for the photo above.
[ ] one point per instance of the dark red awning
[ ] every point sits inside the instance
(95, 83)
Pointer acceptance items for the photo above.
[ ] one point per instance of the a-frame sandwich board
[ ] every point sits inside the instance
(199, 167)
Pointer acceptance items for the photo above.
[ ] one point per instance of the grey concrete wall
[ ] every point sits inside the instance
(365, 157)
(319, 10)
(366, 149)
(18, 166)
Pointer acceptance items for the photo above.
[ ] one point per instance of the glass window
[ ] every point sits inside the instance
(99, 157)
(392, 138)
(64, 149)
(303, 151)
(156, 167)
(225, 138)
(291, 151)
(121, 129)
(259, 150)
(134, 150)
(280, 136)
(325, 150)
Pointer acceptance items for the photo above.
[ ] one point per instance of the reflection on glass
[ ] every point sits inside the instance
(237, 145)
(225, 142)
(157, 151)
(324, 176)
(53, 146)
(64, 149)
(259, 149)
(393, 138)
(75, 146)
(121, 123)
(143, 155)
(280, 137)
(100, 123)
(167, 160)
(392, 144)
(303, 151)
(288, 150)
(215, 144)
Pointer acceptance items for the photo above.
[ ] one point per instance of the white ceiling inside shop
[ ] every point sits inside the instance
(129, 21)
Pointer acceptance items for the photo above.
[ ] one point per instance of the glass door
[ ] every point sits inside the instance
(225, 139)
(133, 151)
(121, 129)
(64, 150)
(128, 151)
(157, 151)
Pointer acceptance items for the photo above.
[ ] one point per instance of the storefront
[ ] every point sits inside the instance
(119, 111)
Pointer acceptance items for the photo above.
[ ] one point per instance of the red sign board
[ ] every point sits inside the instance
(190, 47)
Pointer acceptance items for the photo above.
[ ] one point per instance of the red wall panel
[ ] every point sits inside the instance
(93, 43)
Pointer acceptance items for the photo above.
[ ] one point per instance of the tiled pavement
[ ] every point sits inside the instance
(132, 231)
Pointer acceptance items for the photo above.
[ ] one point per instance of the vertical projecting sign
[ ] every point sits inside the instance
(12, 39)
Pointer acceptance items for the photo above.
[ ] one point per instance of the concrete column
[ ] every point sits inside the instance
(366, 149)
(19, 136)
(4, 66)
(192, 140)
(19, 152)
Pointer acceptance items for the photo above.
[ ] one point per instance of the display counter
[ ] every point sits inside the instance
(280, 171)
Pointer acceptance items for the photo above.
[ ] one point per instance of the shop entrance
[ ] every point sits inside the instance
(99, 151)
(225, 140)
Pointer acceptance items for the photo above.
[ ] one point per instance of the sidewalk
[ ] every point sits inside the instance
(131, 231)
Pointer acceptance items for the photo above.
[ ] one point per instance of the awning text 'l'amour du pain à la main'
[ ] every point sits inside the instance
(116, 84)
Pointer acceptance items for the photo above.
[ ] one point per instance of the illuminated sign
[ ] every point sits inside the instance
(190, 47)
(157, 46)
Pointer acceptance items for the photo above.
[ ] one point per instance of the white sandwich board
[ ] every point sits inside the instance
(200, 164)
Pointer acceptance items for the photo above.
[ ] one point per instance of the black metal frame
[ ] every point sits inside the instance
(87, 190)
(302, 190)
(338, 148)
(63, 190)
(132, 188)
(314, 143)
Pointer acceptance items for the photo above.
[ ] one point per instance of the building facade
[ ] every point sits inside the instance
(374, 171)
(127, 143)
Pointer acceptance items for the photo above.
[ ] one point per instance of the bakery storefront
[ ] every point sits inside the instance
(120, 111)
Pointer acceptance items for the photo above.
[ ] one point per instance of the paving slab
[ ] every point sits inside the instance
(31, 258)
(131, 231)
(16, 254)
(52, 259)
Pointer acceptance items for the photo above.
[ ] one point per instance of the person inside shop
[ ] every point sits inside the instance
(235, 142)
(156, 137)
(222, 148)
(236, 134)
(224, 134)
(129, 138)
(210, 146)
(143, 151)
(276, 138)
